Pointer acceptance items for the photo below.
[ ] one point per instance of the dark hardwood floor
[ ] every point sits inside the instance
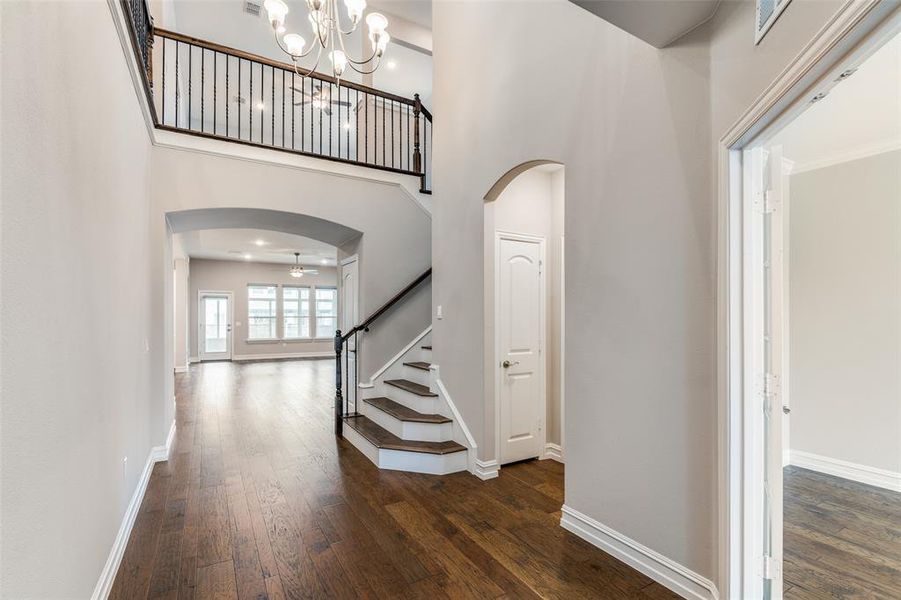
(260, 500)
(842, 539)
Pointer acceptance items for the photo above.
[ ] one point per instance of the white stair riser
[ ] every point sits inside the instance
(425, 404)
(416, 375)
(407, 430)
(401, 460)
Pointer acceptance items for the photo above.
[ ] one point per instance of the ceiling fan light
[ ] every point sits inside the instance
(277, 11)
(294, 43)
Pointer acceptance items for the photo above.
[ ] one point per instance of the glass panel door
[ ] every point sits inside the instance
(215, 327)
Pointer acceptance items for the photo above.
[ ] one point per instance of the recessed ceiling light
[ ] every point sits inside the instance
(261, 105)
(260, 243)
(346, 124)
(247, 257)
(325, 261)
(391, 64)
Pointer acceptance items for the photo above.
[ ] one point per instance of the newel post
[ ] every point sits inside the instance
(339, 398)
(417, 155)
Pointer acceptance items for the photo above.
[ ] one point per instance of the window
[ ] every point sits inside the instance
(296, 312)
(326, 312)
(261, 312)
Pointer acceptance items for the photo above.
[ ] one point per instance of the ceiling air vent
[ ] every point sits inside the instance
(252, 8)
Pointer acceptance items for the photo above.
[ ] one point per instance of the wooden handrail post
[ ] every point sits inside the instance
(417, 155)
(339, 399)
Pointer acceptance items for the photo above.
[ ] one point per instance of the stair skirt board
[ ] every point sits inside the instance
(402, 460)
(409, 430)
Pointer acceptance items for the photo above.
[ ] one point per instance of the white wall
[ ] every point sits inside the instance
(235, 276)
(845, 290)
(81, 363)
(531, 204)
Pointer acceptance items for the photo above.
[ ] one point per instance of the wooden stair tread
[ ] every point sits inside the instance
(418, 364)
(403, 413)
(386, 440)
(426, 347)
(412, 387)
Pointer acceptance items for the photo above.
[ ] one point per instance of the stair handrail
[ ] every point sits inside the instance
(342, 408)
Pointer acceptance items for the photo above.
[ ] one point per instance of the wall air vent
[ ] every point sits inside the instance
(253, 8)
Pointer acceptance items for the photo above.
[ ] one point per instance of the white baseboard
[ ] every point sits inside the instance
(193, 359)
(485, 470)
(285, 355)
(183, 369)
(553, 452)
(108, 575)
(889, 480)
(661, 569)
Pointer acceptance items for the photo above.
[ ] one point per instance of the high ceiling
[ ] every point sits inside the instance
(658, 22)
(404, 71)
(860, 115)
(258, 245)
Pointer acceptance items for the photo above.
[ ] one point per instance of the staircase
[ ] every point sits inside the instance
(401, 423)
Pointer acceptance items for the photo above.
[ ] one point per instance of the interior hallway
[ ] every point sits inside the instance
(842, 538)
(260, 500)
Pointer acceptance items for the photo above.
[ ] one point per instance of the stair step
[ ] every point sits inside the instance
(385, 440)
(418, 364)
(412, 387)
(402, 413)
(426, 347)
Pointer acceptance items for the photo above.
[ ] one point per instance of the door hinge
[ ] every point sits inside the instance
(772, 568)
(767, 202)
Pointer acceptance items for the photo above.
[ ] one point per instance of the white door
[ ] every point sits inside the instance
(215, 324)
(349, 318)
(520, 322)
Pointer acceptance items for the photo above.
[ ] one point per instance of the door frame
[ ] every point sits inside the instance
(355, 258)
(848, 38)
(500, 235)
(231, 320)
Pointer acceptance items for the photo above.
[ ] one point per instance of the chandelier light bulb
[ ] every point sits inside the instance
(355, 9)
(382, 44)
(294, 43)
(339, 62)
(377, 23)
(277, 11)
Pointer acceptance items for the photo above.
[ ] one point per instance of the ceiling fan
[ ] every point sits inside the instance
(321, 98)
(297, 269)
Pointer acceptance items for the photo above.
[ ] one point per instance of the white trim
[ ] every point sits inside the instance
(889, 480)
(286, 355)
(661, 569)
(485, 469)
(500, 235)
(857, 153)
(183, 369)
(108, 574)
(193, 359)
(851, 32)
(553, 452)
(761, 29)
(394, 359)
(456, 416)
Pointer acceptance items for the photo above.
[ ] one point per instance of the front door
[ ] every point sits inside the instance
(215, 326)
(520, 321)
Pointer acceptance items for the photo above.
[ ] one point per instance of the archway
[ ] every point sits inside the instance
(523, 308)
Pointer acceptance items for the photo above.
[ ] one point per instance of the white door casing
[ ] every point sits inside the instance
(520, 305)
(214, 339)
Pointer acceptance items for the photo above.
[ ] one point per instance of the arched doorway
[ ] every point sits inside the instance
(524, 292)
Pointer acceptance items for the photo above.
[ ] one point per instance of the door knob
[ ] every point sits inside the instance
(507, 364)
(786, 410)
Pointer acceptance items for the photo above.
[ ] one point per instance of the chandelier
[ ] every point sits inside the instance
(325, 21)
(297, 269)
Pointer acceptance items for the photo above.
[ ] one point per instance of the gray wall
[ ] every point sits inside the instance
(845, 307)
(637, 129)
(235, 276)
(81, 365)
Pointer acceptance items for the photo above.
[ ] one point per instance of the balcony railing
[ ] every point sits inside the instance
(210, 90)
